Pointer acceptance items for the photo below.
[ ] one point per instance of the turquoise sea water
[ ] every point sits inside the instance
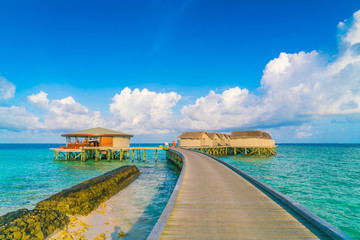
(324, 178)
(28, 174)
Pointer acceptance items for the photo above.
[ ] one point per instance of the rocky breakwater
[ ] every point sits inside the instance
(52, 213)
(31, 224)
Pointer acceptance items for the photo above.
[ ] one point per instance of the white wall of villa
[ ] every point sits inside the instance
(216, 141)
(225, 141)
(190, 142)
(251, 142)
(121, 142)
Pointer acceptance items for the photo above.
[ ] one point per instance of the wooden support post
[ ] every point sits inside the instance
(144, 155)
(128, 154)
(121, 155)
(132, 155)
(108, 155)
(234, 151)
(155, 155)
(245, 151)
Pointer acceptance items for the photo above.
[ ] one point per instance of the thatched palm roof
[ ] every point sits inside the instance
(196, 135)
(96, 132)
(224, 136)
(221, 135)
(212, 135)
(250, 134)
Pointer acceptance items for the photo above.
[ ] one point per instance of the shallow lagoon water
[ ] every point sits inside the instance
(324, 178)
(28, 174)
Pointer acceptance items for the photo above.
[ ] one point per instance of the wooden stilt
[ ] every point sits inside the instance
(96, 155)
(108, 155)
(132, 155)
(155, 155)
(144, 155)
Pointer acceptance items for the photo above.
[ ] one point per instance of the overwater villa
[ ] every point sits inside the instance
(239, 142)
(99, 143)
(224, 139)
(236, 139)
(215, 138)
(96, 137)
(194, 139)
(251, 139)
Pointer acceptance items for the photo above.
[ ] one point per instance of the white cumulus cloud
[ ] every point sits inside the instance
(40, 99)
(294, 88)
(143, 111)
(66, 113)
(7, 89)
(16, 117)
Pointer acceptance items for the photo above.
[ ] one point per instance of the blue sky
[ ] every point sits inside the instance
(213, 65)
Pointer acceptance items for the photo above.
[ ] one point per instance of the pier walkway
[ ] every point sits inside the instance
(214, 202)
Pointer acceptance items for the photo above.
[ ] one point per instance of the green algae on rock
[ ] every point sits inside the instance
(83, 198)
(31, 224)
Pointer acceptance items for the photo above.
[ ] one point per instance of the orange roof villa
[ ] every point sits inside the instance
(97, 137)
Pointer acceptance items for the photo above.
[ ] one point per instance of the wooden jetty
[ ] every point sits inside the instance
(100, 153)
(243, 150)
(214, 200)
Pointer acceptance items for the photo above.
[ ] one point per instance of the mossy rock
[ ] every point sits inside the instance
(83, 198)
(31, 224)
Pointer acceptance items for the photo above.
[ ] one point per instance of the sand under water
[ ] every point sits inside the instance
(29, 174)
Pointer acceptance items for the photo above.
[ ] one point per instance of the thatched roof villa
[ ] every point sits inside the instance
(224, 139)
(195, 139)
(97, 137)
(215, 138)
(236, 139)
(251, 139)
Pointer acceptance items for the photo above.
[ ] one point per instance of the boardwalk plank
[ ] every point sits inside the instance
(216, 203)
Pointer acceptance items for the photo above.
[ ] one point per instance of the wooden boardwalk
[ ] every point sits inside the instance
(214, 202)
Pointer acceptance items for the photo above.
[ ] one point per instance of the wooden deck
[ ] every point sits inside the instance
(214, 202)
(99, 153)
